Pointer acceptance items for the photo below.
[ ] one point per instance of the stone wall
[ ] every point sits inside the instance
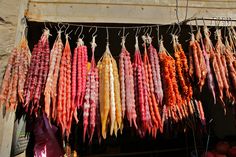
(8, 21)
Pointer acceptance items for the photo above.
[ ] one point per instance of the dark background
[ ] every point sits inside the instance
(169, 144)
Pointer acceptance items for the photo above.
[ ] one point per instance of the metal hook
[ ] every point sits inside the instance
(76, 30)
(150, 30)
(107, 35)
(67, 28)
(158, 33)
(203, 21)
(225, 26)
(82, 36)
(217, 24)
(56, 28)
(146, 30)
(119, 32)
(228, 20)
(231, 22)
(94, 31)
(70, 32)
(169, 28)
(172, 30)
(45, 25)
(191, 27)
(58, 25)
(123, 31)
(50, 25)
(178, 30)
(136, 33)
(81, 30)
(126, 35)
(196, 23)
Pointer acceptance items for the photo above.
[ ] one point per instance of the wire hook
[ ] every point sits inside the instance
(45, 25)
(150, 30)
(107, 35)
(81, 31)
(146, 30)
(172, 30)
(203, 21)
(76, 30)
(137, 31)
(94, 31)
(158, 33)
(178, 30)
(60, 27)
(191, 27)
(196, 23)
(67, 28)
(123, 31)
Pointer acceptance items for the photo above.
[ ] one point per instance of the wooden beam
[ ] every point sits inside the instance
(123, 11)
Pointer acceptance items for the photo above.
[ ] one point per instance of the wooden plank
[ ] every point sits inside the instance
(107, 13)
(7, 125)
(158, 3)
(133, 2)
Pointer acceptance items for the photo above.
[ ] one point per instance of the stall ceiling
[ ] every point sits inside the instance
(127, 11)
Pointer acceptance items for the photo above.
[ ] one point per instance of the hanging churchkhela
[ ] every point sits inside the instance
(127, 86)
(141, 93)
(50, 91)
(154, 61)
(80, 61)
(79, 71)
(149, 92)
(183, 78)
(12, 90)
(231, 69)
(220, 58)
(153, 105)
(109, 94)
(90, 106)
(37, 74)
(210, 78)
(215, 66)
(64, 109)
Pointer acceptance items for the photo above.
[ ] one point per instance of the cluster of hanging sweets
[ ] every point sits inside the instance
(152, 90)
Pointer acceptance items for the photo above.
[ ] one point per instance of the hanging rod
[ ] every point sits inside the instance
(215, 19)
(184, 22)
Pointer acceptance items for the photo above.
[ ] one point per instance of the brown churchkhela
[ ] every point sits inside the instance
(12, 89)
(37, 74)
